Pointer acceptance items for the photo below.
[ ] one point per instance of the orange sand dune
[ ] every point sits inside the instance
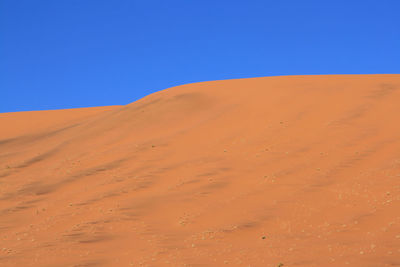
(299, 171)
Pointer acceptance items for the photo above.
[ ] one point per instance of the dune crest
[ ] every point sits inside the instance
(297, 170)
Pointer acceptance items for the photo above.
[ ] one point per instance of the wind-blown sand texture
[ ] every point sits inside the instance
(298, 170)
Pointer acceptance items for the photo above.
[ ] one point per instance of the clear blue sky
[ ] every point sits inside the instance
(79, 53)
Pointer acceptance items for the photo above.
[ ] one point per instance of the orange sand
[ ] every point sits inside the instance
(300, 170)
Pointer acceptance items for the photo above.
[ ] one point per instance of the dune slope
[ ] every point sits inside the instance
(299, 171)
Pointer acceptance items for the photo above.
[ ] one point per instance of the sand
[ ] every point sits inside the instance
(298, 170)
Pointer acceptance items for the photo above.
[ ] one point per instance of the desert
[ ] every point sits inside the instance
(274, 171)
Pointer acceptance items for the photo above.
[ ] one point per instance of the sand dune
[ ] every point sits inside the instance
(299, 171)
